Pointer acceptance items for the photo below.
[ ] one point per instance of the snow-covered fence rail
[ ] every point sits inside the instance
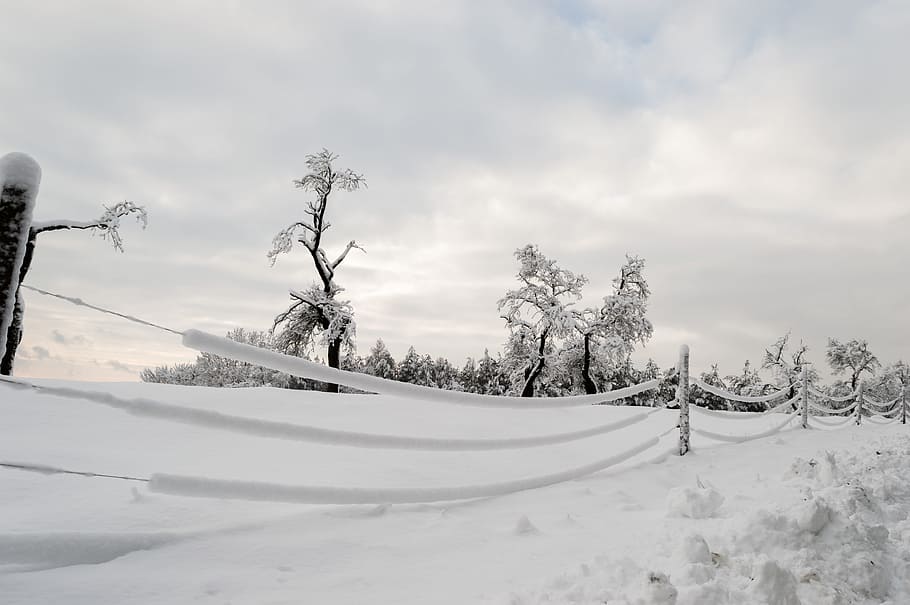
(879, 412)
(204, 487)
(312, 434)
(224, 347)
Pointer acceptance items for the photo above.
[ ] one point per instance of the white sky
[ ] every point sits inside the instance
(754, 153)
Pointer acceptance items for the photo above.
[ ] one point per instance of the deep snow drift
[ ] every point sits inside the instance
(803, 516)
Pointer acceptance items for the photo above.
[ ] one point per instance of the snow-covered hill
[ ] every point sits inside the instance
(804, 516)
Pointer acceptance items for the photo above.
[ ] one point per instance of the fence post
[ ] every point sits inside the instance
(859, 402)
(804, 395)
(682, 396)
(19, 178)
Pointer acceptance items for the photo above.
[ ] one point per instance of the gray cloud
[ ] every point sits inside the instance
(754, 153)
(40, 353)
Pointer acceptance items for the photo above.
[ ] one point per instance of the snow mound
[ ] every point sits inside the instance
(524, 527)
(842, 537)
(701, 502)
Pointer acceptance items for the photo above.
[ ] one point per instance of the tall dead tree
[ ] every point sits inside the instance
(317, 311)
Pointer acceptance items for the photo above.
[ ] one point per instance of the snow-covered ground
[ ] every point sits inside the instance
(804, 516)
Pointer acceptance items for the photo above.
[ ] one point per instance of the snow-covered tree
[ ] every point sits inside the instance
(706, 399)
(537, 314)
(107, 226)
(408, 369)
(887, 384)
(467, 377)
(317, 310)
(853, 357)
(786, 367)
(608, 334)
(213, 371)
(380, 362)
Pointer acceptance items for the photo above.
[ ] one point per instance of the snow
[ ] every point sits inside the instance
(699, 502)
(20, 170)
(807, 516)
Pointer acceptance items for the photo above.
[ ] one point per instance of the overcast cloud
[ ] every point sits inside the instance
(755, 154)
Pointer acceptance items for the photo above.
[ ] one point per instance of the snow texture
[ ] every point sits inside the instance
(700, 502)
(812, 517)
(20, 170)
(295, 366)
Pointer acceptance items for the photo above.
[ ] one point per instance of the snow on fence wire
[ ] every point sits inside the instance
(246, 490)
(297, 432)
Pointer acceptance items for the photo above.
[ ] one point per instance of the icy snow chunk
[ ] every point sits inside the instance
(524, 527)
(693, 549)
(812, 516)
(700, 502)
(773, 583)
(694, 562)
(657, 590)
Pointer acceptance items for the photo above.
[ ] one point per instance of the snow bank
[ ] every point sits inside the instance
(844, 537)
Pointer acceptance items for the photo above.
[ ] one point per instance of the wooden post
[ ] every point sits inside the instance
(19, 178)
(804, 395)
(859, 402)
(682, 397)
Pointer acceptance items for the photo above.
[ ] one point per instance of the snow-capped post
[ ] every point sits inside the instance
(19, 179)
(859, 402)
(682, 397)
(804, 396)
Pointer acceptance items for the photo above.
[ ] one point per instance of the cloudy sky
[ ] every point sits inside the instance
(755, 153)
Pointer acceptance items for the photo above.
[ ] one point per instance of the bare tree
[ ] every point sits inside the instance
(317, 310)
(107, 226)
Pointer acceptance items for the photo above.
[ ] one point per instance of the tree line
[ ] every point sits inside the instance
(552, 347)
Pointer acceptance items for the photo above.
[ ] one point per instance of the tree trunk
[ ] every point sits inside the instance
(17, 200)
(528, 390)
(334, 361)
(590, 387)
(13, 337)
(15, 332)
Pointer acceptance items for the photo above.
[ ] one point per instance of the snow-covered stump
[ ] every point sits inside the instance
(19, 179)
(804, 396)
(859, 403)
(682, 396)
